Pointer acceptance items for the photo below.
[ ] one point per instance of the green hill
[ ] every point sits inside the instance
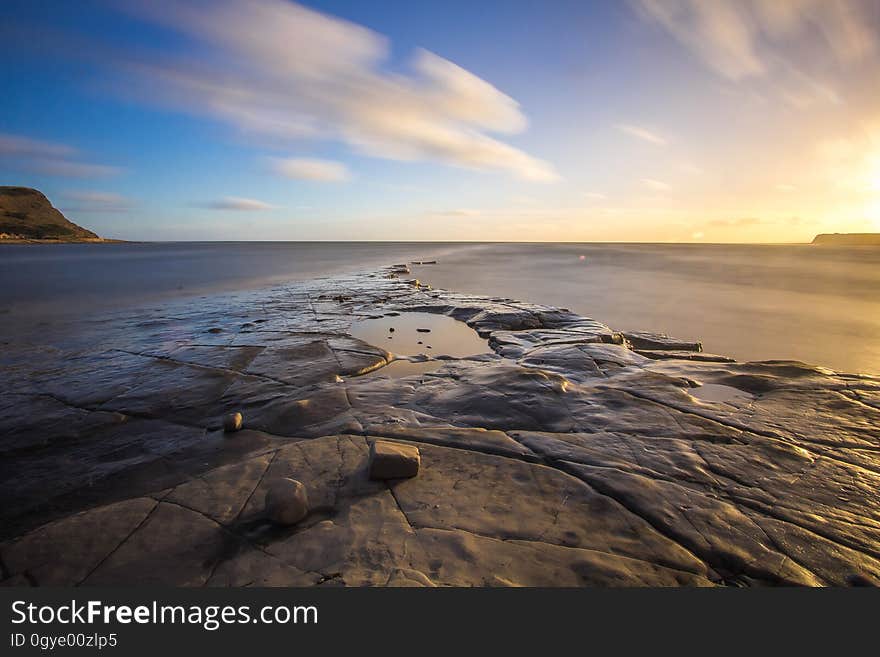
(26, 214)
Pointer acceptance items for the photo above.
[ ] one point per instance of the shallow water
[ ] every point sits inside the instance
(74, 279)
(716, 392)
(820, 305)
(421, 335)
(429, 334)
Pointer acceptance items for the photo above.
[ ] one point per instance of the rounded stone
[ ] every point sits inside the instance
(286, 502)
(232, 422)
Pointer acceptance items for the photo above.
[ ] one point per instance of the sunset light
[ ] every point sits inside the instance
(299, 296)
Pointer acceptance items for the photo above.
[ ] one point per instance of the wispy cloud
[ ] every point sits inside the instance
(19, 146)
(277, 68)
(656, 185)
(642, 133)
(796, 47)
(238, 204)
(310, 169)
(746, 38)
(738, 222)
(96, 202)
(49, 158)
(458, 212)
(595, 196)
(749, 222)
(66, 169)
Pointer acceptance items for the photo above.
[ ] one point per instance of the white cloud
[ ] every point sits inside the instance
(278, 69)
(310, 169)
(656, 185)
(742, 39)
(642, 133)
(238, 203)
(66, 169)
(16, 145)
(48, 158)
(747, 38)
(718, 31)
(96, 202)
(458, 212)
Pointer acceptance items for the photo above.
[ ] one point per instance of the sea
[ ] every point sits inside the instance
(816, 304)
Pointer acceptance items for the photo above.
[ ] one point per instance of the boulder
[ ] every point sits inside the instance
(393, 460)
(232, 422)
(286, 502)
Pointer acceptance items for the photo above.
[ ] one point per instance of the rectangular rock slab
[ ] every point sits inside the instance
(393, 460)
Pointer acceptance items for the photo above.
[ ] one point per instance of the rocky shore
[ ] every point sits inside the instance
(566, 454)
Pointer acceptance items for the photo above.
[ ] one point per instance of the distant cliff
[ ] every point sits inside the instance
(26, 214)
(848, 239)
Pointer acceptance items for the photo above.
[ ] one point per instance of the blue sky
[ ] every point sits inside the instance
(266, 119)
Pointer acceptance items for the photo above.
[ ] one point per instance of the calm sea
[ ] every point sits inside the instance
(816, 304)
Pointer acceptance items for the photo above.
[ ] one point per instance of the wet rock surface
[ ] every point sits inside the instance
(569, 455)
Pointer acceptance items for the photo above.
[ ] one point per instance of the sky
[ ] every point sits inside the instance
(645, 121)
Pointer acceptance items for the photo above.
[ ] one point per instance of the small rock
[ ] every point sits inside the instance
(286, 502)
(232, 422)
(393, 460)
(423, 330)
(391, 330)
(215, 330)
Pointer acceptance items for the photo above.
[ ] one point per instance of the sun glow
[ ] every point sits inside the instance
(872, 213)
(874, 173)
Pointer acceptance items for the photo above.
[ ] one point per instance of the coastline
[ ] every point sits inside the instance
(571, 454)
(89, 240)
